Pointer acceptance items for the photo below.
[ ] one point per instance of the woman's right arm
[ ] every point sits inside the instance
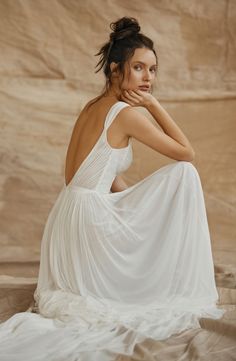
(172, 142)
(169, 126)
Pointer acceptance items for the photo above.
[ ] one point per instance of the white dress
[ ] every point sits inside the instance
(117, 268)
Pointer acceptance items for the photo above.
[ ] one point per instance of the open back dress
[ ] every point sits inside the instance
(117, 268)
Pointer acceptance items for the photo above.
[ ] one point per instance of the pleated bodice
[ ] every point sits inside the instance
(99, 169)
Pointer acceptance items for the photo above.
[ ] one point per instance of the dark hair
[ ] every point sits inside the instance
(124, 39)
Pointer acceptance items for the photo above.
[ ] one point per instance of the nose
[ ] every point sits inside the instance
(147, 75)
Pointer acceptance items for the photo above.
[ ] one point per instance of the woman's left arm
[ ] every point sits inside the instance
(118, 184)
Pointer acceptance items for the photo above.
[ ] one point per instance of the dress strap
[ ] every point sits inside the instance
(114, 110)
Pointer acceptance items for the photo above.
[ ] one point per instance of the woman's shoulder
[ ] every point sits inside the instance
(90, 102)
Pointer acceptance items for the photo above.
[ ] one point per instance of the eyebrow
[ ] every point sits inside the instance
(137, 61)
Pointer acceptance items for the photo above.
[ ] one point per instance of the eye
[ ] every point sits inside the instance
(153, 70)
(137, 67)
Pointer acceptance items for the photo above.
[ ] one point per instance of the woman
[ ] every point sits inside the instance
(120, 264)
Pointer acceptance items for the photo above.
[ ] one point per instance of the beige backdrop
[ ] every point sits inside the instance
(47, 74)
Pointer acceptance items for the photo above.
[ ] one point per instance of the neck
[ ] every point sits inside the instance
(113, 92)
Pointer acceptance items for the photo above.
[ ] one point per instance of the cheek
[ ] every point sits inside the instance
(135, 76)
(132, 79)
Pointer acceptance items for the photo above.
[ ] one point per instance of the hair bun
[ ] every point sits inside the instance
(123, 28)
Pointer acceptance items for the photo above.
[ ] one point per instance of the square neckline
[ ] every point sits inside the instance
(98, 140)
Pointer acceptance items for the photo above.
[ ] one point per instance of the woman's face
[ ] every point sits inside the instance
(140, 70)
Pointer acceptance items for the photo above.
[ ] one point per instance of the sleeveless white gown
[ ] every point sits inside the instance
(117, 268)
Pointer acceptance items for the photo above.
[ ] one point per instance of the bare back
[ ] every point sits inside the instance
(87, 130)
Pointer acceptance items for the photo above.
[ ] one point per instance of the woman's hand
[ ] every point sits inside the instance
(137, 98)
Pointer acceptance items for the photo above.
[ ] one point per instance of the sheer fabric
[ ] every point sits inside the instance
(117, 268)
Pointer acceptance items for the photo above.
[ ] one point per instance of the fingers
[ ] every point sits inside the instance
(132, 97)
(127, 98)
(138, 93)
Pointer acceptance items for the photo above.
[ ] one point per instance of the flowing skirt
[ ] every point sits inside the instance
(118, 268)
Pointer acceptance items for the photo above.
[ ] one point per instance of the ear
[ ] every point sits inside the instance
(113, 67)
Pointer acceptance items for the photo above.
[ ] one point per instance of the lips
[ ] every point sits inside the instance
(144, 87)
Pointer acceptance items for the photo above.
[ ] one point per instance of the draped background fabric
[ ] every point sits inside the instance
(47, 74)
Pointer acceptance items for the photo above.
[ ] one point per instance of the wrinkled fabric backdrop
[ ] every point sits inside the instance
(47, 68)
